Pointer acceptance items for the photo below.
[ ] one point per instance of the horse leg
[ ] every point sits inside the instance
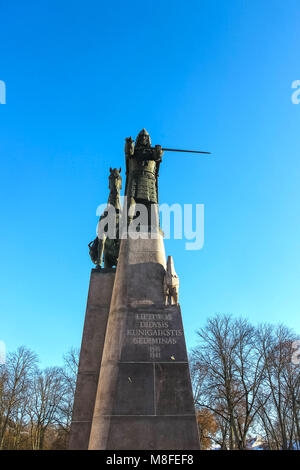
(107, 261)
(131, 211)
(100, 251)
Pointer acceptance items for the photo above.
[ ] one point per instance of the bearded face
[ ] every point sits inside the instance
(143, 139)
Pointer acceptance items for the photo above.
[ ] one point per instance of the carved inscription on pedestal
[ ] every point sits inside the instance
(154, 335)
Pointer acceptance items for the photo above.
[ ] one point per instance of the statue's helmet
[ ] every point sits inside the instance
(143, 139)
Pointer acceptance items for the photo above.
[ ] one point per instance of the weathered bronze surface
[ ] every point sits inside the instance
(142, 168)
(106, 247)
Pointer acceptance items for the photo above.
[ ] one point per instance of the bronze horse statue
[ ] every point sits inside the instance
(104, 247)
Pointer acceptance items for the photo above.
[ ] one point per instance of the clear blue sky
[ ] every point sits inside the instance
(208, 74)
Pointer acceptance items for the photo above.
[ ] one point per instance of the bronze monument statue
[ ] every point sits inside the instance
(142, 169)
(103, 246)
(133, 389)
(171, 283)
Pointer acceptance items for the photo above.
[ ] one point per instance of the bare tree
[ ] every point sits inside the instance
(69, 375)
(281, 414)
(16, 379)
(36, 405)
(246, 378)
(47, 396)
(228, 372)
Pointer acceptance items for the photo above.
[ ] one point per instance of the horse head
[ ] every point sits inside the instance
(115, 180)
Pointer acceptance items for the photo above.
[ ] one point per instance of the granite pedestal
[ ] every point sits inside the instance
(144, 396)
(98, 304)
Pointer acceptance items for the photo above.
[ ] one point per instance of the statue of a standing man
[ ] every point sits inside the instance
(142, 168)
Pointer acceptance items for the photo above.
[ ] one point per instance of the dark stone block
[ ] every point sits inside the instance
(152, 275)
(176, 432)
(131, 433)
(86, 389)
(100, 290)
(93, 338)
(173, 390)
(153, 433)
(79, 437)
(154, 334)
(135, 390)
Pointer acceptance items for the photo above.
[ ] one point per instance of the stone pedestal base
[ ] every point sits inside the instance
(98, 304)
(144, 398)
(152, 403)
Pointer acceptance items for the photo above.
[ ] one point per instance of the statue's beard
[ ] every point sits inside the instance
(143, 144)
